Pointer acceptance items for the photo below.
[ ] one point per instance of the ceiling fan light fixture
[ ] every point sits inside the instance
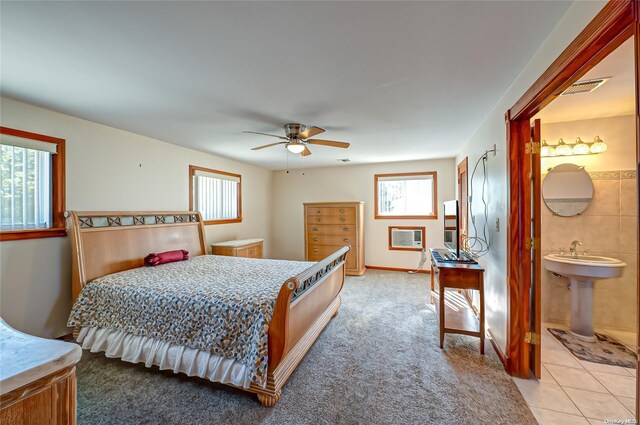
(295, 147)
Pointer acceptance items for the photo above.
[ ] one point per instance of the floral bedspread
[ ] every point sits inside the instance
(222, 305)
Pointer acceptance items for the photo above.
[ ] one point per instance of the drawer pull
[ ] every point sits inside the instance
(253, 251)
(315, 239)
(315, 229)
(346, 229)
(345, 240)
(318, 212)
(318, 219)
(341, 210)
(341, 219)
(315, 249)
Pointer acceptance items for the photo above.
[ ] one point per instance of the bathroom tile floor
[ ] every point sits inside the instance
(572, 391)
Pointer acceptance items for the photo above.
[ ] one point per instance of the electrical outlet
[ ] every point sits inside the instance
(497, 225)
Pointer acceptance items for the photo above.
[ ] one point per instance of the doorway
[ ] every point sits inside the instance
(615, 24)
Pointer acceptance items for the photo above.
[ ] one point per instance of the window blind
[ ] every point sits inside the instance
(216, 197)
(30, 144)
(25, 191)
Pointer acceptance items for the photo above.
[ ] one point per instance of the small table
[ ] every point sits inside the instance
(460, 276)
(250, 248)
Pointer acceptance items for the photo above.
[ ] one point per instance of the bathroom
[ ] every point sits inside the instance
(598, 218)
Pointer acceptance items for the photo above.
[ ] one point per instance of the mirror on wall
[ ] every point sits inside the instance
(567, 190)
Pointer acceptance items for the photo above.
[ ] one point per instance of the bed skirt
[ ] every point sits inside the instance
(165, 355)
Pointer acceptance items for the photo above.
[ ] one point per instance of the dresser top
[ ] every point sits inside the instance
(26, 358)
(239, 242)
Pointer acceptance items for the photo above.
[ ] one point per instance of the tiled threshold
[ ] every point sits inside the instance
(572, 391)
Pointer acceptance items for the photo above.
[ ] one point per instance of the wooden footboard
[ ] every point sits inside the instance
(305, 305)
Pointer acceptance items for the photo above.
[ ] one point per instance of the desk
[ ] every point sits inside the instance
(458, 276)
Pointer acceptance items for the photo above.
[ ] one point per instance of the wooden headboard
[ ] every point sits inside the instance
(105, 242)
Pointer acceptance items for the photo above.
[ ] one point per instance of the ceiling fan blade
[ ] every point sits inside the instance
(267, 146)
(305, 152)
(332, 143)
(266, 134)
(310, 132)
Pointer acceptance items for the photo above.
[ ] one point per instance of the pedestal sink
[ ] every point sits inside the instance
(582, 270)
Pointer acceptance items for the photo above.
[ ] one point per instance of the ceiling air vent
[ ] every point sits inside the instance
(585, 86)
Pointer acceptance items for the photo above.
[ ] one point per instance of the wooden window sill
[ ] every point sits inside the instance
(231, 220)
(15, 235)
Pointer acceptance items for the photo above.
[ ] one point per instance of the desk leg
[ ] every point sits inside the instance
(441, 301)
(431, 274)
(481, 314)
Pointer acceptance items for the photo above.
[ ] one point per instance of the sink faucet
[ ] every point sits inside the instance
(572, 249)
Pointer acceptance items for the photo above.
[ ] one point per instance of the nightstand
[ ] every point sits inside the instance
(250, 248)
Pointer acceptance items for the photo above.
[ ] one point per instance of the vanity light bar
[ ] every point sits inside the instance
(577, 148)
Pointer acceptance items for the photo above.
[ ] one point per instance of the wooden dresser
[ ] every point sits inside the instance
(37, 379)
(250, 248)
(332, 225)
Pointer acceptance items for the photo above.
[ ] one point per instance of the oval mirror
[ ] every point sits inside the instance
(567, 190)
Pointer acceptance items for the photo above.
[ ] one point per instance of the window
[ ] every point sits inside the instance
(406, 195)
(216, 194)
(32, 185)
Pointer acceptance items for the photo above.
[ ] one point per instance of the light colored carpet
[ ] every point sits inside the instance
(377, 362)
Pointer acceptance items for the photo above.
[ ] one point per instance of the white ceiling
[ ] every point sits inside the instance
(398, 80)
(614, 98)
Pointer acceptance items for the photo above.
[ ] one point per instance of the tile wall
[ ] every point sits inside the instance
(607, 227)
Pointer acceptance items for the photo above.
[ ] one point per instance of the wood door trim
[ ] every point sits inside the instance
(636, 31)
(537, 234)
(518, 276)
(463, 167)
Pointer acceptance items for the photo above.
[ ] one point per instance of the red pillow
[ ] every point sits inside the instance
(166, 257)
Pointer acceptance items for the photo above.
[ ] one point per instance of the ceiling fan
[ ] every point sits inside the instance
(297, 137)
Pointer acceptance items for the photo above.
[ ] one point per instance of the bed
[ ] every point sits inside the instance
(242, 322)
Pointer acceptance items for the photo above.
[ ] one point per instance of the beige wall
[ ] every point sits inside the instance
(493, 130)
(353, 183)
(607, 227)
(108, 169)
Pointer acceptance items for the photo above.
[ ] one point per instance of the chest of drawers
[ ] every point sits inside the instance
(332, 225)
(250, 248)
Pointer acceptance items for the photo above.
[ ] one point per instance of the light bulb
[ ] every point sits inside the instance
(295, 147)
(563, 149)
(544, 149)
(580, 148)
(598, 145)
